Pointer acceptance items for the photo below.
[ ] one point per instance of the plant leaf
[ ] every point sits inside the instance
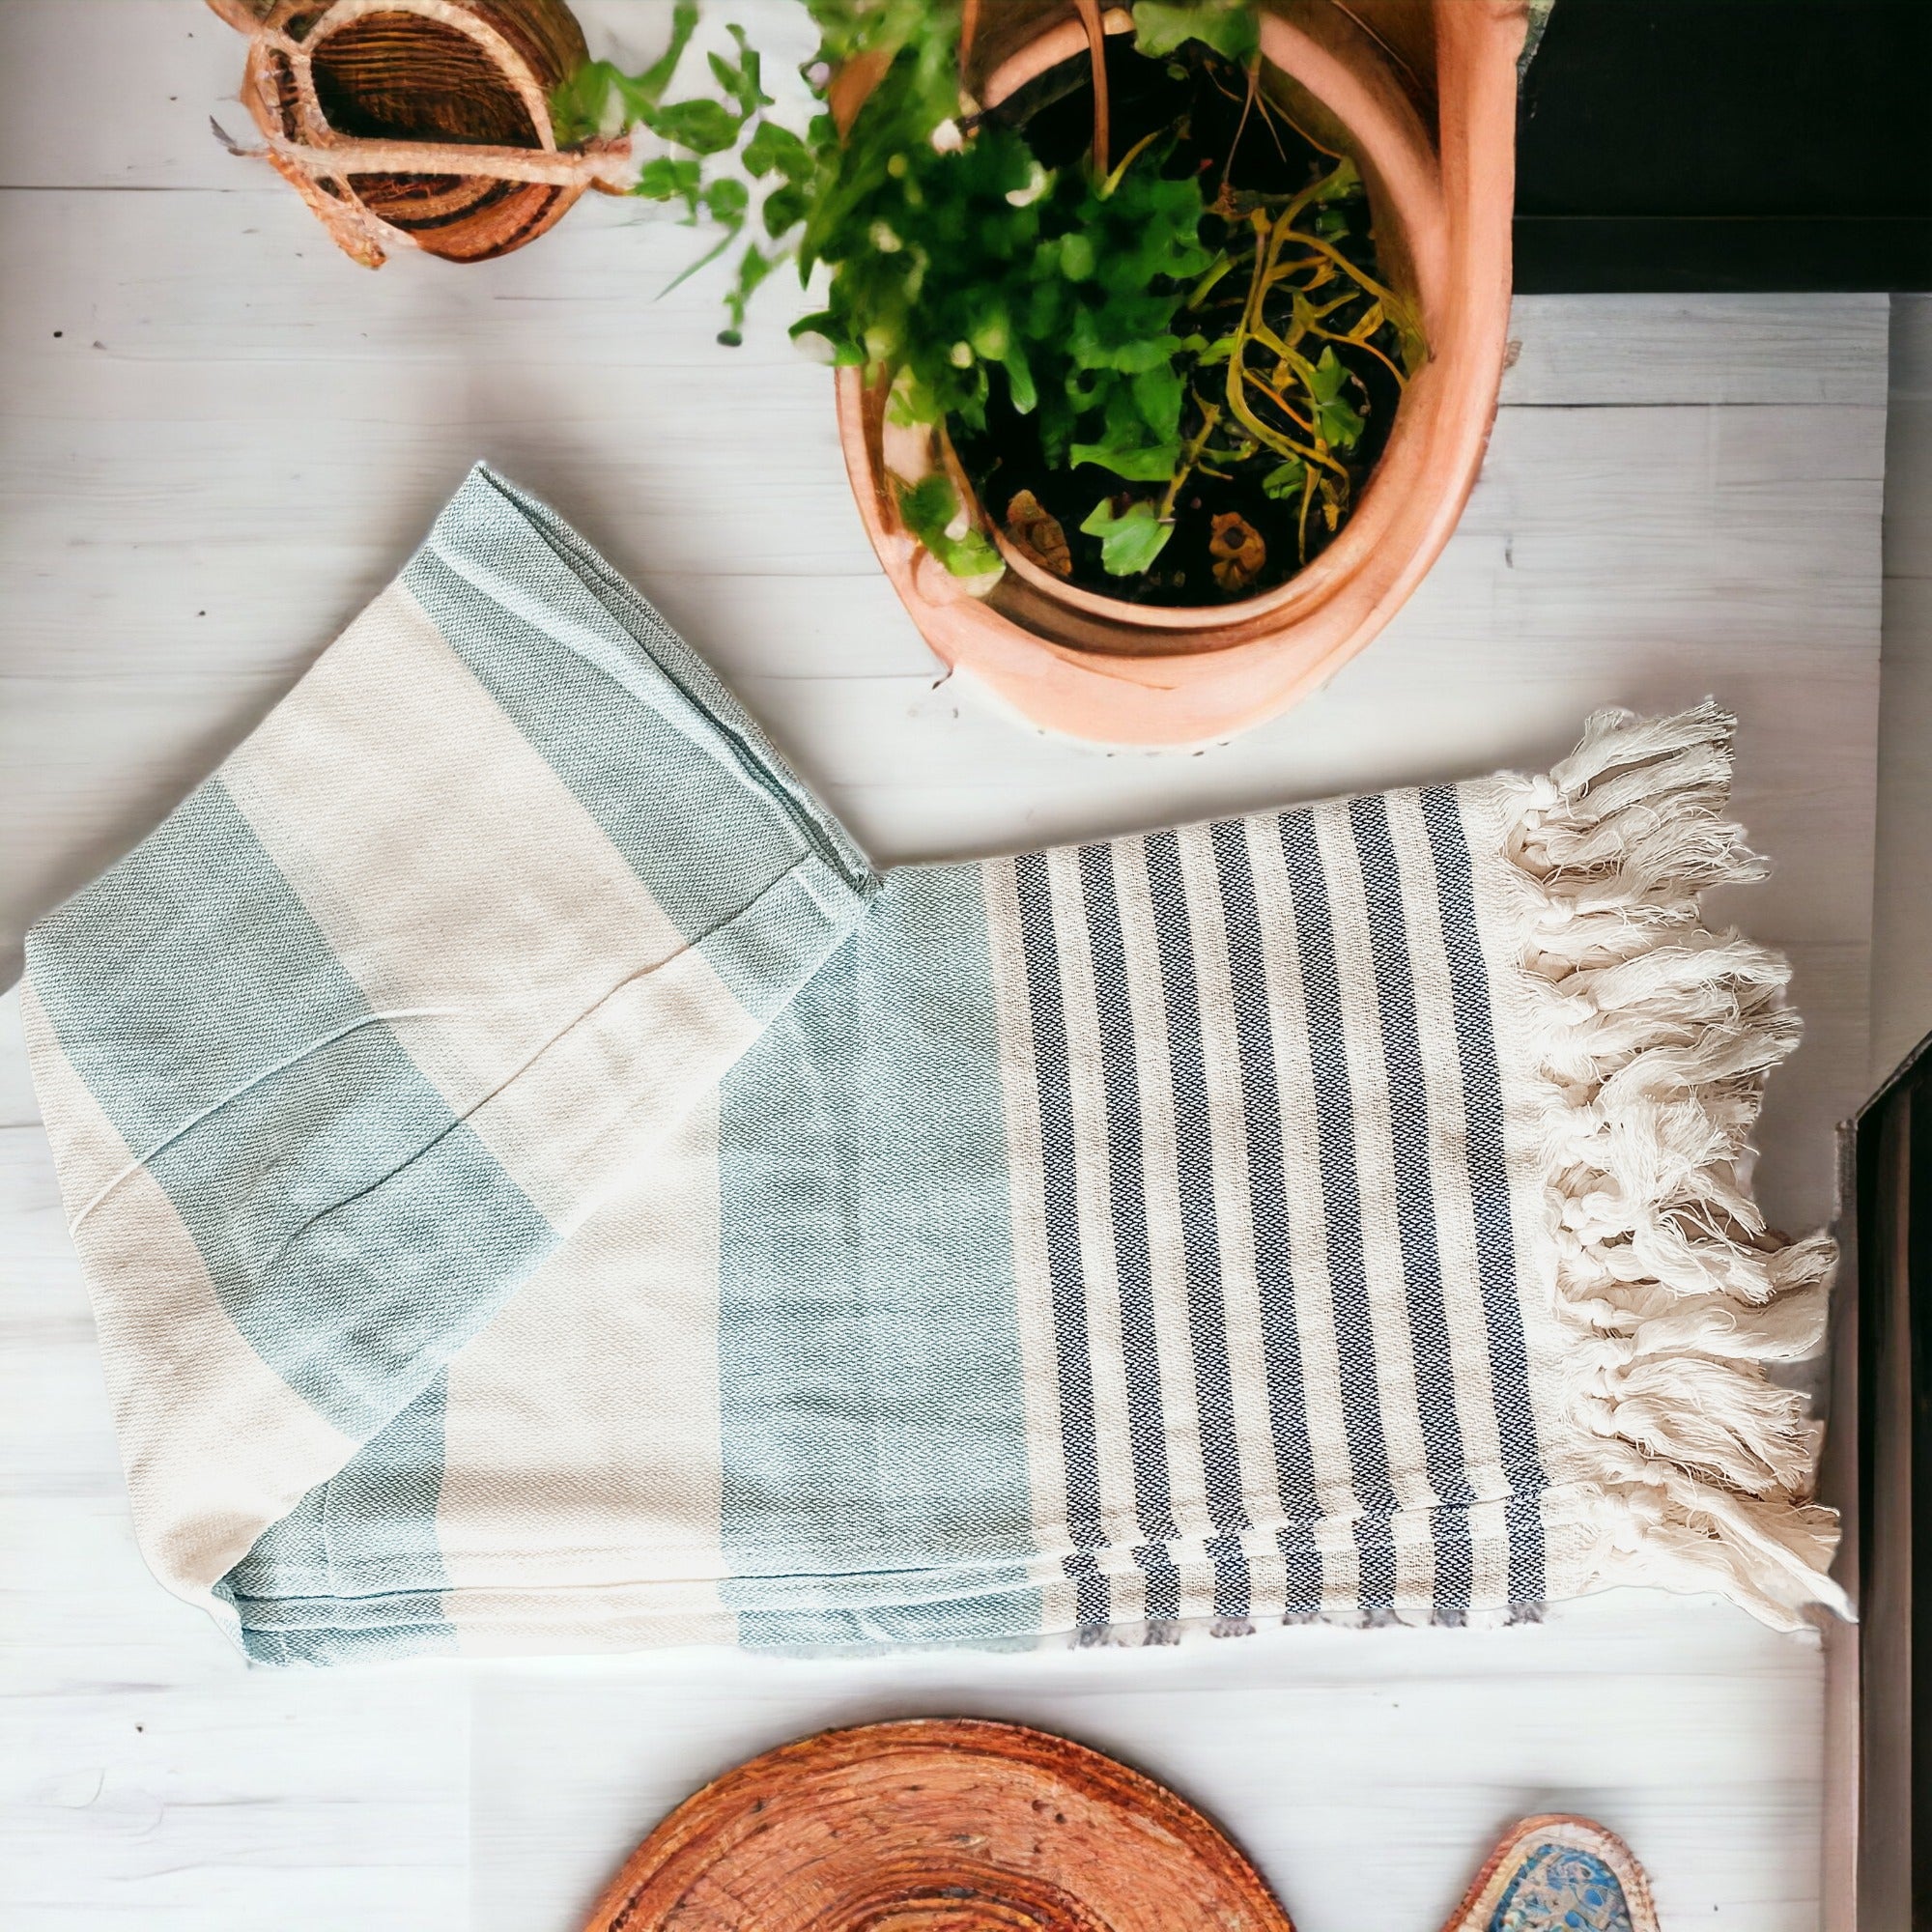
(704, 127)
(1228, 26)
(1339, 425)
(1128, 542)
(846, 354)
(1159, 394)
(1284, 479)
(1343, 181)
(927, 508)
(784, 209)
(754, 265)
(771, 146)
(1019, 379)
(580, 102)
(669, 179)
(1335, 421)
(741, 78)
(1149, 464)
(727, 200)
(649, 87)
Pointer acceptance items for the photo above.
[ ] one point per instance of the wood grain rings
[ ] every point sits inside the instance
(936, 1826)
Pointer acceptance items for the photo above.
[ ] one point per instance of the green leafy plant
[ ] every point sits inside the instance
(1149, 352)
(1166, 26)
(929, 509)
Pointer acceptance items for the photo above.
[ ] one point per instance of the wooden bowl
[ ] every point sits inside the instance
(936, 1826)
(420, 123)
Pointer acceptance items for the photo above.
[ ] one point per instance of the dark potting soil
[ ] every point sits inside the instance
(1200, 95)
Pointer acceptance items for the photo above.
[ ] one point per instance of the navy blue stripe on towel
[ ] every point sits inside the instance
(1093, 1597)
(1490, 1192)
(1342, 1212)
(1200, 1245)
(1268, 1195)
(1415, 1190)
(1133, 1263)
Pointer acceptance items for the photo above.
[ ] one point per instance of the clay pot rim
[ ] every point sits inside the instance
(1398, 168)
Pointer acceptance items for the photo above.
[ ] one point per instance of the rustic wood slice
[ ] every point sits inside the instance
(936, 1826)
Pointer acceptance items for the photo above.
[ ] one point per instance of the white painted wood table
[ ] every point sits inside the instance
(220, 439)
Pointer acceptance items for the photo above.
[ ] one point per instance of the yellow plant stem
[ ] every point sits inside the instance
(1269, 240)
(1280, 402)
(1357, 342)
(1397, 308)
(1127, 161)
(1210, 415)
(1205, 285)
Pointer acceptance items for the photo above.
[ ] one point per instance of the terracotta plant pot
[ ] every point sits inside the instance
(1425, 104)
(420, 123)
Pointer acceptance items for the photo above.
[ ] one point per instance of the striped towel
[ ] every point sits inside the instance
(542, 1187)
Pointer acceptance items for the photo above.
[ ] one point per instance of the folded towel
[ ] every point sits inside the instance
(542, 1187)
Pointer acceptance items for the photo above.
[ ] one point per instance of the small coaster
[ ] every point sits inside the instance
(1558, 1874)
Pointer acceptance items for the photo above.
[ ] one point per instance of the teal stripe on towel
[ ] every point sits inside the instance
(977, 1606)
(868, 1340)
(776, 943)
(354, 1571)
(663, 759)
(356, 1233)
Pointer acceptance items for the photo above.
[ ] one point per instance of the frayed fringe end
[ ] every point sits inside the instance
(1654, 1035)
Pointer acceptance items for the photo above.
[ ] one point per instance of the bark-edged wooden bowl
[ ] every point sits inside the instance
(950, 1824)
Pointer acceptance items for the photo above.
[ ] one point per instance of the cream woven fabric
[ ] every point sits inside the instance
(542, 1187)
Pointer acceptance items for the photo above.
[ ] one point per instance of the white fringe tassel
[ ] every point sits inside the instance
(1655, 1034)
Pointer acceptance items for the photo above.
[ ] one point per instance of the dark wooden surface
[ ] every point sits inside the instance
(1678, 145)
